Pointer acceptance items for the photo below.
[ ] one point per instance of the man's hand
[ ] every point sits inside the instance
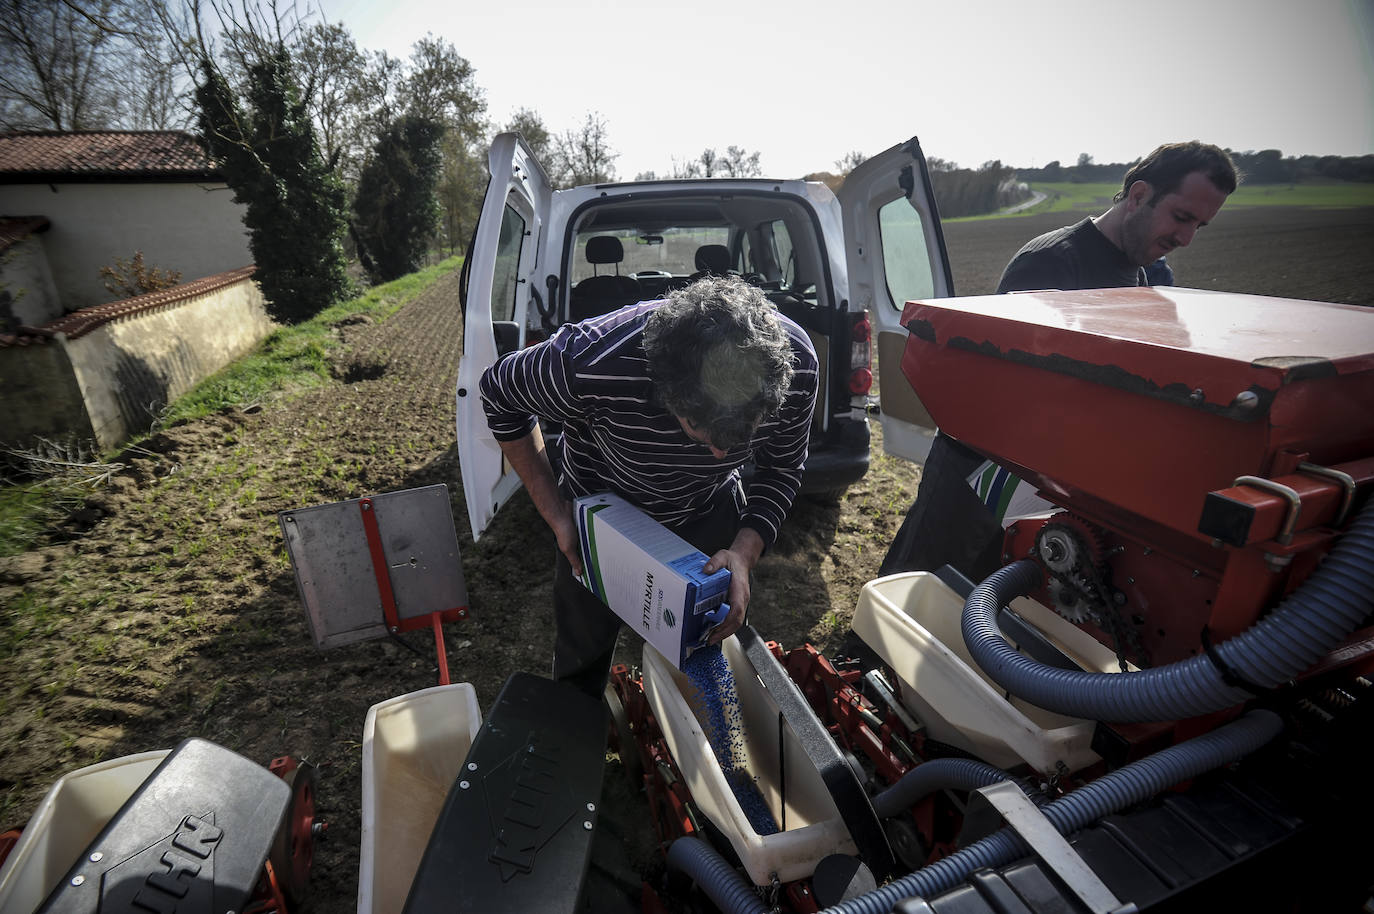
(740, 558)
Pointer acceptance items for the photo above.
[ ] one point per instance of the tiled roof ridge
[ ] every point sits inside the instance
(86, 154)
(95, 131)
(79, 323)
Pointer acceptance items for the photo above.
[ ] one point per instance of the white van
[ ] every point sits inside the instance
(840, 265)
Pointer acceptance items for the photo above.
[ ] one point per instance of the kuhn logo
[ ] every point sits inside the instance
(669, 617)
(174, 874)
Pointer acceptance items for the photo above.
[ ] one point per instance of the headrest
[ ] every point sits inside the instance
(713, 258)
(604, 249)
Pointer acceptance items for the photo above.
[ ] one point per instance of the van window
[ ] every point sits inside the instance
(784, 254)
(507, 265)
(906, 259)
(669, 249)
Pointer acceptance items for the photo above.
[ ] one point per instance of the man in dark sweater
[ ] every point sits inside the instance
(965, 500)
(1165, 198)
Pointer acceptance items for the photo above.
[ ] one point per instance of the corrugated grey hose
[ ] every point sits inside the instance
(936, 774)
(1313, 619)
(1133, 783)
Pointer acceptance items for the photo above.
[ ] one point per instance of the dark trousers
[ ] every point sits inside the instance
(948, 524)
(586, 629)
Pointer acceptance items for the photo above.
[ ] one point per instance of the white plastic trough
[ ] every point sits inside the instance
(413, 747)
(74, 810)
(911, 620)
(814, 828)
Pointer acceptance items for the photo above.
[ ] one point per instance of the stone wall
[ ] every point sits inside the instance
(104, 373)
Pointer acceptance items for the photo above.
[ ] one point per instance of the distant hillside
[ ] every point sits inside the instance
(1268, 166)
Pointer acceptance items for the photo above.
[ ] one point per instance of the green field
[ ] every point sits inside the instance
(1070, 196)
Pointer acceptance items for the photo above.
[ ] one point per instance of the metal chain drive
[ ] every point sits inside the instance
(1073, 555)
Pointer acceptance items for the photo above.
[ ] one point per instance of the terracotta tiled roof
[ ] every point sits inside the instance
(80, 323)
(104, 154)
(16, 228)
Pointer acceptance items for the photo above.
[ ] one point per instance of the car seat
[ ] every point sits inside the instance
(712, 260)
(602, 293)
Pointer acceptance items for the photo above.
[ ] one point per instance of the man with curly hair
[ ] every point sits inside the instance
(663, 403)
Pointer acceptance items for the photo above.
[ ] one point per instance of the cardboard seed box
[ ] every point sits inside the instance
(651, 577)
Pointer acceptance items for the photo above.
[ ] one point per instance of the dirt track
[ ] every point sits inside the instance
(188, 622)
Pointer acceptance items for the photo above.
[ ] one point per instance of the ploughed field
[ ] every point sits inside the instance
(166, 608)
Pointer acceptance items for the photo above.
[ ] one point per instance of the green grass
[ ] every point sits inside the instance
(297, 356)
(1067, 196)
(1339, 194)
(291, 358)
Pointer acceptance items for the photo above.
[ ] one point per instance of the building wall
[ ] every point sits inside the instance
(27, 293)
(110, 383)
(195, 228)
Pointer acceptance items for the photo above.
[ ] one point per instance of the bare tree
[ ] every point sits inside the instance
(735, 163)
(338, 83)
(440, 85)
(530, 125)
(852, 160)
(583, 155)
(55, 72)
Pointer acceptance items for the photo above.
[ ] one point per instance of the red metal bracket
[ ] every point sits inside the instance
(394, 622)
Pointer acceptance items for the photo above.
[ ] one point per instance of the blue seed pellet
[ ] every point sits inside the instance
(719, 712)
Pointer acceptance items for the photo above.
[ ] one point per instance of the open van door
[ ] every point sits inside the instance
(498, 277)
(895, 249)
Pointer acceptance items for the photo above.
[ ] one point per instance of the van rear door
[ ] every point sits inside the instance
(895, 250)
(498, 278)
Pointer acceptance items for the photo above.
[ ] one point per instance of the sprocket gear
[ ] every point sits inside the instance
(1068, 601)
(1074, 553)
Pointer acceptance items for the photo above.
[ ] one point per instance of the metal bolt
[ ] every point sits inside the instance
(78, 880)
(591, 807)
(1246, 399)
(464, 785)
(1217, 543)
(395, 629)
(1196, 396)
(1119, 598)
(1196, 573)
(1130, 580)
(587, 826)
(1146, 551)
(472, 766)
(366, 506)
(290, 518)
(97, 857)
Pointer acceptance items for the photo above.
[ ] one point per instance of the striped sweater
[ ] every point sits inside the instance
(592, 378)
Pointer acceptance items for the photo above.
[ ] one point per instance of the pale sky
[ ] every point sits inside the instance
(804, 83)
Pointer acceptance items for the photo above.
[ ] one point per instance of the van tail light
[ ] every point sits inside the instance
(860, 354)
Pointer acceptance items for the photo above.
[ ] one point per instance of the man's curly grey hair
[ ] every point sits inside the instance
(719, 358)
